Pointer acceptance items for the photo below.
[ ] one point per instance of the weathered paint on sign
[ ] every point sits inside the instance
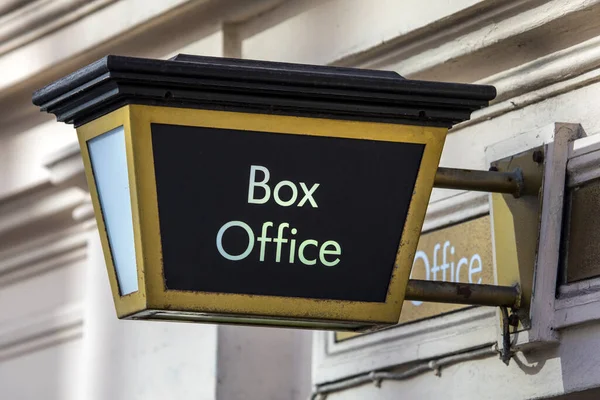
(269, 220)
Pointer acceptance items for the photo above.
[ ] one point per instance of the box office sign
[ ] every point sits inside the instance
(256, 192)
(291, 215)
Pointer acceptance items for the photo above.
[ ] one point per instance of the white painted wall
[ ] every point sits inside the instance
(139, 359)
(571, 367)
(263, 363)
(46, 373)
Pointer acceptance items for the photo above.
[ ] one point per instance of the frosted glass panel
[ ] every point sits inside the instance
(109, 163)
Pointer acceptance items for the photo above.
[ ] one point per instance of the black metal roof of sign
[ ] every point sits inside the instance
(260, 87)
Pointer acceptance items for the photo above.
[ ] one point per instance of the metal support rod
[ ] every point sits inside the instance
(481, 181)
(463, 293)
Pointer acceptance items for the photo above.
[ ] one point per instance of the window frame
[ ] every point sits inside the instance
(579, 302)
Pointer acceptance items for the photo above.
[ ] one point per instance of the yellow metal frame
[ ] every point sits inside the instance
(152, 295)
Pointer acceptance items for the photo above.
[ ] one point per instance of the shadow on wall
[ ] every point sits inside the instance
(580, 359)
(531, 364)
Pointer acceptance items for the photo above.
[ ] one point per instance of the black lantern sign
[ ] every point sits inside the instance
(255, 192)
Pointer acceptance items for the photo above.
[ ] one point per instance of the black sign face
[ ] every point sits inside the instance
(279, 214)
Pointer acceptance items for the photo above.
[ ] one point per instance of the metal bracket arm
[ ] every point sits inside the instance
(463, 293)
(481, 181)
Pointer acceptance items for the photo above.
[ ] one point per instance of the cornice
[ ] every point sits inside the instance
(45, 209)
(40, 331)
(66, 46)
(559, 66)
(258, 86)
(584, 159)
(37, 18)
(38, 210)
(66, 167)
(403, 49)
(456, 208)
(517, 31)
(479, 43)
(39, 255)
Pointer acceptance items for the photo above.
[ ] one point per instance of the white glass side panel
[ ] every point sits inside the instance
(109, 163)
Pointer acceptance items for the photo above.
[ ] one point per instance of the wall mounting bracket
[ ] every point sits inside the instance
(480, 181)
(463, 293)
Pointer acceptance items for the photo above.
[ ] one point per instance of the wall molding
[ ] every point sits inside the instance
(584, 159)
(532, 81)
(37, 256)
(455, 208)
(578, 303)
(564, 72)
(17, 66)
(39, 331)
(490, 41)
(334, 38)
(66, 167)
(47, 207)
(423, 340)
(37, 206)
(404, 49)
(552, 68)
(40, 17)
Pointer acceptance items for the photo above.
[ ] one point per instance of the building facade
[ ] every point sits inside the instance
(59, 337)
